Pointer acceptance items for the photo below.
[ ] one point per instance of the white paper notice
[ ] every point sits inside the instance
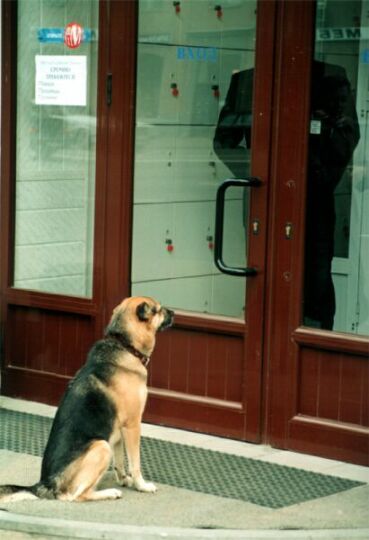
(61, 80)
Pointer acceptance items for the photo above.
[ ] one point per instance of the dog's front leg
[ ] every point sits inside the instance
(132, 437)
(119, 469)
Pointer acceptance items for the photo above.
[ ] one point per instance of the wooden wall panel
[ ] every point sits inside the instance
(15, 341)
(47, 341)
(202, 364)
(160, 362)
(50, 354)
(198, 365)
(365, 398)
(67, 353)
(178, 371)
(354, 372)
(329, 385)
(308, 377)
(234, 371)
(218, 350)
(333, 386)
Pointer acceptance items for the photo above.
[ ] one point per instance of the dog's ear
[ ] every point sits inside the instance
(114, 327)
(143, 311)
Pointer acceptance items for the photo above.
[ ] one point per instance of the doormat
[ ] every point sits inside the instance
(195, 469)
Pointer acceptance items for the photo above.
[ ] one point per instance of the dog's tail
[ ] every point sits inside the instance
(13, 493)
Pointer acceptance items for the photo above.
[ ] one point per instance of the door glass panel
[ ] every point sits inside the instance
(55, 145)
(337, 226)
(193, 123)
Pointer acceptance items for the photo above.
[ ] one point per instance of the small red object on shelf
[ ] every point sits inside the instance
(169, 244)
(215, 89)
(175, 90)
(219, 11)
(210, 242)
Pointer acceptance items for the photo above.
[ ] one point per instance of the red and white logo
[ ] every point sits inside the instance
(73, 35)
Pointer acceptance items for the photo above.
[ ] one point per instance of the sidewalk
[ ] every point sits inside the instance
(209, 487)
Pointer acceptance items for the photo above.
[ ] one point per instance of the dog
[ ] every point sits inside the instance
(101, 412)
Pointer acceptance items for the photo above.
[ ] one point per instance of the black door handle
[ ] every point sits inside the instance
(219, 225)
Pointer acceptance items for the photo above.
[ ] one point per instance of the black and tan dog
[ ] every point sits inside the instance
(101, 412)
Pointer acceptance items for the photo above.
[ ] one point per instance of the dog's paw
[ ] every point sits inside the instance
(123, 479)
(112, 494)
(145, 487)
(126, 481)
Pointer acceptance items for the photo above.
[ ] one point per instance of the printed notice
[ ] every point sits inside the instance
(61, 80)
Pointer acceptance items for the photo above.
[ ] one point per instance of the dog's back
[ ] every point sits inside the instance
(86, 412)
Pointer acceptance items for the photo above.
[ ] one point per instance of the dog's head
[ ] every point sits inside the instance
(137, 319)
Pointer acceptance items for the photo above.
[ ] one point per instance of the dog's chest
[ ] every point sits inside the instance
(129, 393)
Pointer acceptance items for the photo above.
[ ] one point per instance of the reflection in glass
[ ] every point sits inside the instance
(186, 62)
(55, 148)
(337, 228)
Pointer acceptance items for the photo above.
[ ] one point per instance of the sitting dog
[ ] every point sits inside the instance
(101, 411)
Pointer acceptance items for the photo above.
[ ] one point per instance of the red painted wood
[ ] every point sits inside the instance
(234, 369)
(329, 439)
(160, 361)
(51, 344)
(217, 368)
(353, 372)
(328, 385)
(15, 338)
(198, 364)
(333, 386)
(365, 396)
(46, 341)
(331, 341)
(33, 385)
(179, 360)
(68, 336)
(204, 418)
(308, 379)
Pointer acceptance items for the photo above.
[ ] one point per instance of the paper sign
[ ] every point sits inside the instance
(61, 80)
(315, 127)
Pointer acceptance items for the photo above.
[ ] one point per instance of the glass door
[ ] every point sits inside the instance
(193, 131)
(196, 127)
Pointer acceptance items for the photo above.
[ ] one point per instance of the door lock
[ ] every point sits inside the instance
(255, 227)
(288, 229)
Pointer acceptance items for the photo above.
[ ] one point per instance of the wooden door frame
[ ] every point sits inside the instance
(286, 425)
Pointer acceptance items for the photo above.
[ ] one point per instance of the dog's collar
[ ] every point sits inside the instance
(142, 357)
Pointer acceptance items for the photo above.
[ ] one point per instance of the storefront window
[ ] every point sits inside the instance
(55, 145)
(337, 223)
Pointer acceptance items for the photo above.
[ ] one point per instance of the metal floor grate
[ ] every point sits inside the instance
(196, 469)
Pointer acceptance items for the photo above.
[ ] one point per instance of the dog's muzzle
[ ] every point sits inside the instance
(168, 319)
